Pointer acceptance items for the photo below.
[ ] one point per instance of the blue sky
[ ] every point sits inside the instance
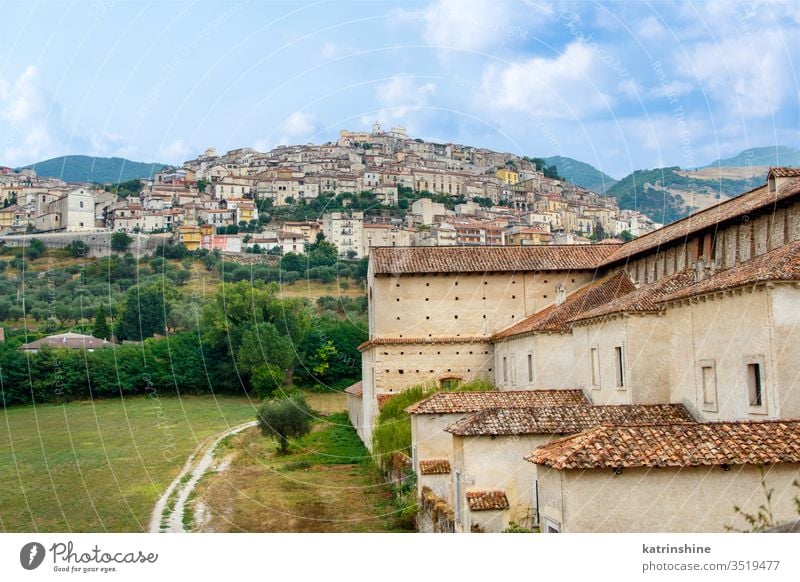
(621, 85)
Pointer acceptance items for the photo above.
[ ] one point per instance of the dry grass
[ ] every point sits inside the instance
(732, 173)
(325, 485)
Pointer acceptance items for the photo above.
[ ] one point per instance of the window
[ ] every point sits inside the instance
(530, 368)
(708, 384)
(450, 383)
(458, 496)
(755, 388)
(619, 366)
(551, 526)
(594, 355)
(505, 370)
(81, 203)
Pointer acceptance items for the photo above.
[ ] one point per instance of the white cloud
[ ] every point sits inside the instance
(472, 25)
(299, 125)
(174, 153)
(650, 28)
(748, 78)
(401, 97)
(31, 125)
(548, 88)
(330, 50)
(107, 144)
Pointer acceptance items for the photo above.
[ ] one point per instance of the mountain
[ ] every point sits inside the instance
(582, 174)
(669, 194)
(91, 169)
(767, 156)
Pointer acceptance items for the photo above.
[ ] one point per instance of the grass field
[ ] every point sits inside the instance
(325, 484)
(100, 466)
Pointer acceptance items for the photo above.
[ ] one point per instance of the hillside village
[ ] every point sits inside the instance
(378, 188)
(658, 365)
(649, 386)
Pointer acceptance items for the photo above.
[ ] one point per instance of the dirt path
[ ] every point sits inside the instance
(171, 514)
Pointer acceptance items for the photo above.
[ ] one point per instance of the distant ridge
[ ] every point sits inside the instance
(92, 169)
(766, 156)
(582, 174)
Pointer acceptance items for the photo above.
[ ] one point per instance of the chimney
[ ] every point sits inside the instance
(703, 268)
(561, 294)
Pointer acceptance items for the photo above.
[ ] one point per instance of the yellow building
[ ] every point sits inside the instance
(13, 217)
(190, 237)
(510, 177)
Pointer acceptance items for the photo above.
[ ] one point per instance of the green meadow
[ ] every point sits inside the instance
(100, 465)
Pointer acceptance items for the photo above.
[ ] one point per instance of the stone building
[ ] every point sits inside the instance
(701, 313)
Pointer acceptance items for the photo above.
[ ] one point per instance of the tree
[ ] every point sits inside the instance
(101, 328)
(322, 253)
(145, 312)
(35, 249)
(120, 242)
(268, 356)
(626, 236)
(78, 248)
(283, 418)
(201, 185)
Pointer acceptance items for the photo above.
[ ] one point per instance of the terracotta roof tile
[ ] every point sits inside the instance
(785, 172)
(556, 318)
(434, 466)
(487, 500)
(383, 399)
(355, 389)
(564, 419)
(781, 264)
(754, 200)
(461, 402)
(675, 445)
(401, 341)
(647, 298)
(398, 260)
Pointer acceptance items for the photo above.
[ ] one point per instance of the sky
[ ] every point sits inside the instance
(619, 85)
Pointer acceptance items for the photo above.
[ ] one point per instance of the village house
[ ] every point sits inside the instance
(655, 321)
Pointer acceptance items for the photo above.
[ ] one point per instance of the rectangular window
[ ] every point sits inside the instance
(458, 496)
(754, 385)
(505, 370)
(708, 382)
(513, 366)
(530, 368)
(619, 367)
(595, 363)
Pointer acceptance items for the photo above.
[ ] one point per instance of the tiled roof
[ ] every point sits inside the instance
(398, 260)
(68, 340)
(781, 264)
(460, 402)
(383, 399)
(434, 466)
(757, 199)
(564, 419)
(647, 298)
(675, 445)
(355, 389)
(400, 341)
(487, 500)
(556, 318)
(785, 172)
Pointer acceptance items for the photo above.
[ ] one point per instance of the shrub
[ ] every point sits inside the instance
(120, 241)
(392, 432)
(282, 418)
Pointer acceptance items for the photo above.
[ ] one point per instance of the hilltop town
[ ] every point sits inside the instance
(368, 189)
